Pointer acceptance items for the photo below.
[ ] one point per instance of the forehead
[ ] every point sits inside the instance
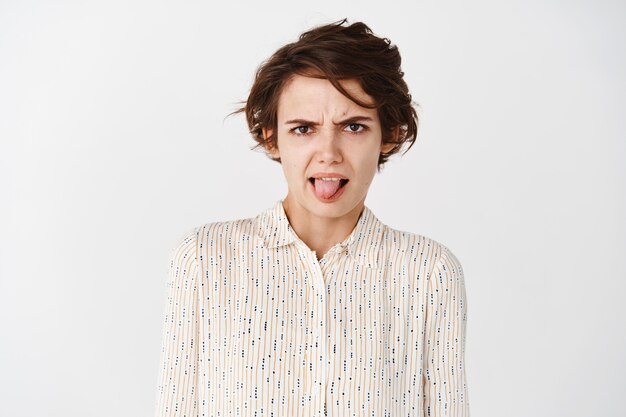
(303, 93)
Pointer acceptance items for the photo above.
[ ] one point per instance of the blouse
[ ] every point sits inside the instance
(255, 325)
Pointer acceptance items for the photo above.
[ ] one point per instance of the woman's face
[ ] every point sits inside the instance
(319, 130)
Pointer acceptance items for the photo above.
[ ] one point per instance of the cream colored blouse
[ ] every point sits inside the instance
(255, 325)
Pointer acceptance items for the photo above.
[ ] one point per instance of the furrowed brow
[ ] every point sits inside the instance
(354, 119)
(301, 122)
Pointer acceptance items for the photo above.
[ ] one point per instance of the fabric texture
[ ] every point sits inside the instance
(255, 325)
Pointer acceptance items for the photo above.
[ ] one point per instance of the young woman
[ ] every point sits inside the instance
(315, 307)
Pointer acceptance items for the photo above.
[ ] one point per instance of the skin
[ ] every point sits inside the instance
(324, 140)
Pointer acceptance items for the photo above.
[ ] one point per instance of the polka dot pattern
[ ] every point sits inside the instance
(256, 325)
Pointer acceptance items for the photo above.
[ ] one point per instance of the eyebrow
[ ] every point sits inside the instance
(349, 120)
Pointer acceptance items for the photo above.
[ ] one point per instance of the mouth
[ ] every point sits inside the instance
(342, 181)
(328, 190)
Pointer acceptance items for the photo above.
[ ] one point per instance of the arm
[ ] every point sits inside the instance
(445, 387)
(177, 393)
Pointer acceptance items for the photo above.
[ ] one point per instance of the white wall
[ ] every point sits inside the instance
(114, 142)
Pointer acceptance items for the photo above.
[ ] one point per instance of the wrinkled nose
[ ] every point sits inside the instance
(328, 149)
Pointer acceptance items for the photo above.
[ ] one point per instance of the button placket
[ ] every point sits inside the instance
(309, 258)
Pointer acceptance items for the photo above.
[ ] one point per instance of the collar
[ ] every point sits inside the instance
(363, 243)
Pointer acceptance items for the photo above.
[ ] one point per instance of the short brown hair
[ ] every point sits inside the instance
(336, 52)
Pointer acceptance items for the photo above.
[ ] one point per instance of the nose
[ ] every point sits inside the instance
(329, 149)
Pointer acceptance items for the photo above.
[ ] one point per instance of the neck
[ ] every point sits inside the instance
(320, 233)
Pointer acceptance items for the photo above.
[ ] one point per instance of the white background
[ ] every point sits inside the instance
(115, 142)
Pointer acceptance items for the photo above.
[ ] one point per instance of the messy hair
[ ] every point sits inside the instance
(335, 52)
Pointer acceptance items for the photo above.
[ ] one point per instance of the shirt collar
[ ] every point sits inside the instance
(363, 243)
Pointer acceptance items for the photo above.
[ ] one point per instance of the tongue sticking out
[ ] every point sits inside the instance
(326, 189)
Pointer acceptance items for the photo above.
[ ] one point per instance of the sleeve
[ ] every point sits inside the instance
(177, 392)
(444, 380)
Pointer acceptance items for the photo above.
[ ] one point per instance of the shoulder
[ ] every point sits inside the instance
(228, 230)
(185, 245)
(218, 241)
(227, 234)
(419, 247)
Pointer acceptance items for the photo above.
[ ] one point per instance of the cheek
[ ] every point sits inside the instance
(293, 168)
(368, 164)
(294, 158)
(368, 159)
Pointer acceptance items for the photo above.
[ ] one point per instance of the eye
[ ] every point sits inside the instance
(356, 128)
(301, 130)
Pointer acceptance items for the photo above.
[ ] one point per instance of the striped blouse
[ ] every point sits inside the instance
(255, 325)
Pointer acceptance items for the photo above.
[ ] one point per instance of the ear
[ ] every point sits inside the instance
(273, 152)
(395, 134)
(386, 147)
